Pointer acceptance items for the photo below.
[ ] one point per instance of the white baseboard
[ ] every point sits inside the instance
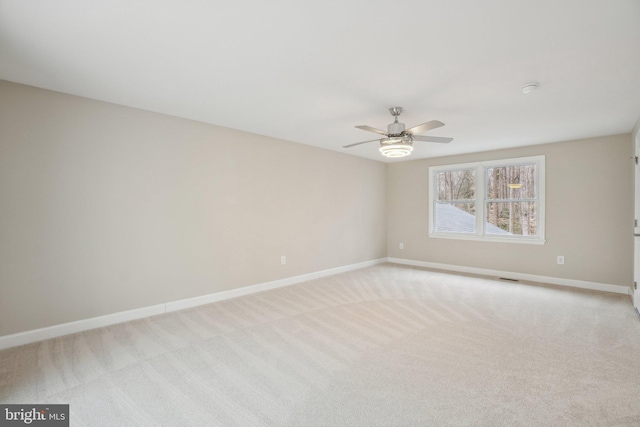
(246, 290)
(54, 331)
(36, 335)
(518, 276)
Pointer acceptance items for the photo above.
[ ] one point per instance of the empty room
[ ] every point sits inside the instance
(420, 213)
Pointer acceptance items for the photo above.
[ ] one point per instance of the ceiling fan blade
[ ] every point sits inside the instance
(424, 127)
(440, 139)
(370, 129)
(358, 143)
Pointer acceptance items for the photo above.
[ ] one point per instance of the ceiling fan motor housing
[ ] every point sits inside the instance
(395, 128)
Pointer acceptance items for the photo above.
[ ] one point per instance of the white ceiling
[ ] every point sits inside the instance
(310, 71)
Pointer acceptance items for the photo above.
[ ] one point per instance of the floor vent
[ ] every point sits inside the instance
(508, 280)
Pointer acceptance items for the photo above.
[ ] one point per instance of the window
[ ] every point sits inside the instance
(499, 200)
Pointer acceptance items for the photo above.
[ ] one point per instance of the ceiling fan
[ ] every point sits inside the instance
(397, 141)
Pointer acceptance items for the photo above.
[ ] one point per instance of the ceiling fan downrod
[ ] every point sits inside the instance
(395, 128)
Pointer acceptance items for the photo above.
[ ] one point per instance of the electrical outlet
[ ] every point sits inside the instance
(401, 245)
(283, 260)
(560, 259)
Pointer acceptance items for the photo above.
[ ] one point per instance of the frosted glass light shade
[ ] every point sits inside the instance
(395, 150)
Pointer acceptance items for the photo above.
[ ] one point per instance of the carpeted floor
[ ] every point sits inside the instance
(382, 346)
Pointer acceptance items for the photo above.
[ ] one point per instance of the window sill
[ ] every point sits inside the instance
(497, 239)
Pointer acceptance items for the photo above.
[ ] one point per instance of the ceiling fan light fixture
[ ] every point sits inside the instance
(395, 150)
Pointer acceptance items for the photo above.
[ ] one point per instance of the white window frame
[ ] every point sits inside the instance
(481, 200)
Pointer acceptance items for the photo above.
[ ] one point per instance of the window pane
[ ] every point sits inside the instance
(456, 185)
(455, 217)
(511, 218)
(511, 182)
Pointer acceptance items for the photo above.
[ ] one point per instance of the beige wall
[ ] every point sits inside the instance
(589, 214)
(105, 208)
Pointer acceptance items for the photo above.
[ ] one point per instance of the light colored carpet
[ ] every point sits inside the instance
(382, 346)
